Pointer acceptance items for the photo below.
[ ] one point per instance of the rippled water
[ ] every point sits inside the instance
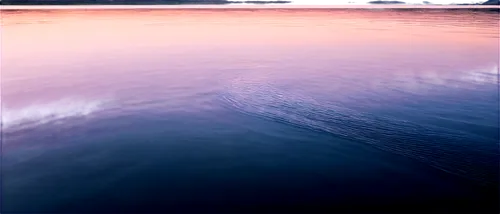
(249, 109)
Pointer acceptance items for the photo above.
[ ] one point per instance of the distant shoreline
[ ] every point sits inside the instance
(244, 6)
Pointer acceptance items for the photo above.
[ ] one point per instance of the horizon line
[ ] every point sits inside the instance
(236, 6)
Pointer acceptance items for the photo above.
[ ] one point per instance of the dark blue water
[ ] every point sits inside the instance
(159, 118)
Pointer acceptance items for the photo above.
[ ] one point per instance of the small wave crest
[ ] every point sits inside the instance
(42, 113)
(463, 154)
(482, 76)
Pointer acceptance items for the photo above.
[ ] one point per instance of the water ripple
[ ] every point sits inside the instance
(464, 154)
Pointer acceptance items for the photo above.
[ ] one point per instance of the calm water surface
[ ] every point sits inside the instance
(249, 110)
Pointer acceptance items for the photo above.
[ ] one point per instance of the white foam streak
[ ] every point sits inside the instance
(42, 113)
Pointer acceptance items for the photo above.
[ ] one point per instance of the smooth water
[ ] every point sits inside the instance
(215, 110)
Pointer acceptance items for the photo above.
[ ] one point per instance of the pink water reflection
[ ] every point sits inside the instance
(51, 55)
